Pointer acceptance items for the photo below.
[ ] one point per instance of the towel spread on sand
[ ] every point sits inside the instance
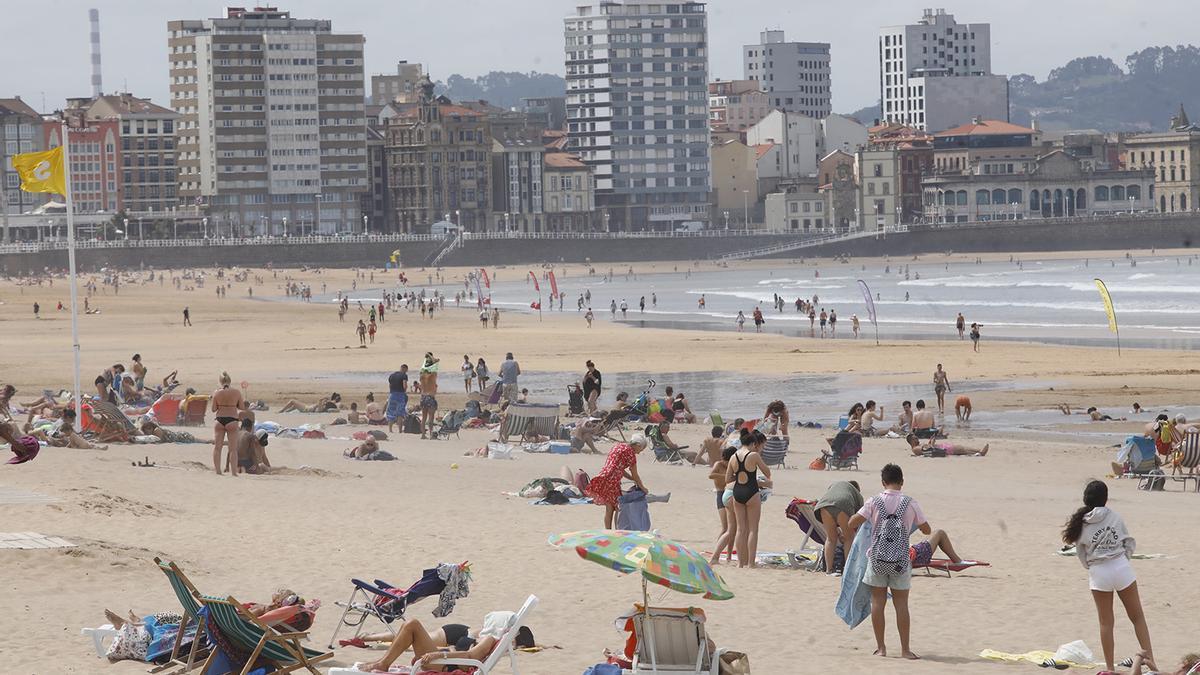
(1037, 657)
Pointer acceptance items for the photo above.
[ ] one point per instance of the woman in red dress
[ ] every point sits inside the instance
(605, 488)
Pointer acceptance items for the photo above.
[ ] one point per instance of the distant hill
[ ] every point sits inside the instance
(1093, 92)
(503, 89)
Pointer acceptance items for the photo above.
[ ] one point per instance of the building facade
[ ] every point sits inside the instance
(20, 132)
(148, 180)
(439, 163)
(736, 105)
(795, 75)
(797, 137)
(734, 181)
(1055, 185)
(517, 185)
(95, 152)
(1174, 157)
(836, 182)
(914, 156)
(401, 87)
(877, 171)
(797, 211)
(272, 126)
(937, 73)
(546, 112)
(569, 194)
(637, 108)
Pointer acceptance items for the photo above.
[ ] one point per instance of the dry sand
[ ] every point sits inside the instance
(330, 519)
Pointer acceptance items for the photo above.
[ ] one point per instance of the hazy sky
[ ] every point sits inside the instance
(45, 45)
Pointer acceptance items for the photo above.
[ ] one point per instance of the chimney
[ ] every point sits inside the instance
(1035, 125)
(975, 120)
(94, 18)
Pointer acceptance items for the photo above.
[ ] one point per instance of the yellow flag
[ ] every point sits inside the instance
(1108, 305)
(42, 171)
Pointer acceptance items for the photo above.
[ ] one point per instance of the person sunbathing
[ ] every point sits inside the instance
(324, 405)
(63, 435)
(152, 428)
(368, 450)
(355, 417)
(413, 635)
(936, 448)
(375, 412)
(287, 610)
(920, 553)
(1143, 664)
(530, 435)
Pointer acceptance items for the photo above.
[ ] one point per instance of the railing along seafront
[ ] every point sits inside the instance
(61, 244)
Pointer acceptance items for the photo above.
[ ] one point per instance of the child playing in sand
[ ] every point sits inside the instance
(893, 515)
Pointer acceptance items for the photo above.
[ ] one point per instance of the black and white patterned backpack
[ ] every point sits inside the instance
(889, 540)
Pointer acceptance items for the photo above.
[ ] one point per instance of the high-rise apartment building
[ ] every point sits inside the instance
(20, 131)
(272, 133)
(795, 75)
(937, 73)
(637, 108)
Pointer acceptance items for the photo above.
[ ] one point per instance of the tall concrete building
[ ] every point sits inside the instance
(20, 131)
(937, 73)
(637, 108)
(795, 75)
(272, 133)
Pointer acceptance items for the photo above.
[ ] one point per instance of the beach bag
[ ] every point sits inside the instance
(889, 542)
(817, 464)
(582, 480)
(735, 663)
(412, 424)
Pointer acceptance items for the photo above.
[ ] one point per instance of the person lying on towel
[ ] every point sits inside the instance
(426, 648)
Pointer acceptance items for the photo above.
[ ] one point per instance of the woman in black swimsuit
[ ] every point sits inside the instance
(742, 473)
(228, 405)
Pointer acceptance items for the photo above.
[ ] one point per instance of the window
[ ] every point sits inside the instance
(1101, 193)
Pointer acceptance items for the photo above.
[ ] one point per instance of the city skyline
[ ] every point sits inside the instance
(1020, 45)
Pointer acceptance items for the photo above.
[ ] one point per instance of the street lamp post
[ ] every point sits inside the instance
(607, 215)
(366, 226)
(127, 229)
(727, 220)
(1131, 200)
(1014, 206)
(204, 222)
(857, 224)
(746, 209)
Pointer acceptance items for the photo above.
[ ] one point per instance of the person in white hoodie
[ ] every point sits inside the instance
(1104, 547)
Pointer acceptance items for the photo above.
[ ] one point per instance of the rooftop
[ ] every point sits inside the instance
(762, 149)
(985, 128)
(563, 160)
(111, 105)
(16, 106)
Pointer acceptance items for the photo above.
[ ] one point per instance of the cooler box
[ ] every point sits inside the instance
(560, 448)
(843, 422)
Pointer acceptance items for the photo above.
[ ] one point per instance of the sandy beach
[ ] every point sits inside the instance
(326, 519)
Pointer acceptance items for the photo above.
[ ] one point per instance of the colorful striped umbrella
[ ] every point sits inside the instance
(660, 560)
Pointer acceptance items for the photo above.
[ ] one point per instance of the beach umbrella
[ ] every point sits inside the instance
(659, 560)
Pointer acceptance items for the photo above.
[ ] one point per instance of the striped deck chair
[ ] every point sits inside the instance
(522, 417)
(188, 596)
(1189, 459)
(775, 451)
(241, 632)
(110, 424)
(800, 511)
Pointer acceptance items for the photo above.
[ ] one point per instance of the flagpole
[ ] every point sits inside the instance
(71, 265)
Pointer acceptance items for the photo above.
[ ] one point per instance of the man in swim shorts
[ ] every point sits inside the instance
(397, 405)
(962, 408)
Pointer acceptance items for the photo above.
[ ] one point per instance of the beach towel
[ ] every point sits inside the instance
(854, 600)
(1036, 657)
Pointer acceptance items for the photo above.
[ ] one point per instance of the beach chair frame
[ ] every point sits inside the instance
(504, 648)
(107, 415)
(189, 600)
(801, 511)
(1189, 459)
(672, 635)
(367, 601)
(283, 649)
(193, 410)
(775, 451)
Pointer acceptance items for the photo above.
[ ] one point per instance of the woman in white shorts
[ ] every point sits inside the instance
(1104, 547)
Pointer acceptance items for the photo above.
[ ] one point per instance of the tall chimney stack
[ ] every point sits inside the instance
(94, 17)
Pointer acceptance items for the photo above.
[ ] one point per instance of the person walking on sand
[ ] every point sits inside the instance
(589, 317)
(833, 323)
(742, 473)
(612, 307)
(941, 385)
(642, 304)
(1104, 547)
(495, 318)
(361, 329)
(605, 487)
(893, 515)
(975, 336)
(482, 375)
(960, 324)
(654, 299)
(824, 320)
(758, 320)
(483, 317)
(740, 320)
(227, 404)
(624, 307)
(854, 325)
(371, 328)
(187, 317)
(701, 302)
(468, 373)
(592, 384)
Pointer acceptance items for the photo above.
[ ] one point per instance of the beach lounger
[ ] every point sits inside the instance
(383, 602)
(542, 419)
(946, 565)
(240, 635)
(1189, 460)
(194, 409)
(189, 600)
(673, 641)
(775, 451)
(503, 648)
(800, 511)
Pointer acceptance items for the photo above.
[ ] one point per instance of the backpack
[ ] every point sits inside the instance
(889, 540)
(412, 424)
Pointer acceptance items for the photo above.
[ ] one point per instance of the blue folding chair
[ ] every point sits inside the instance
(384, 602)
